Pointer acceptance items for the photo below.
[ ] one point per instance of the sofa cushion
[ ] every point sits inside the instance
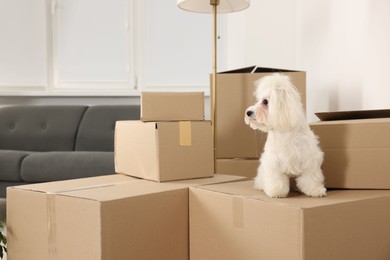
(39, 128)
(55, 166)
(10, 162)
(96, 131)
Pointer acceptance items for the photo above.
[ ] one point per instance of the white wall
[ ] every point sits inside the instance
(344, 45)
(263, 35)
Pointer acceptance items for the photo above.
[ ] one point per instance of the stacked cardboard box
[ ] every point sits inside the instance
(222, 217)
(101, 218)
(171, 142)
(356, 152)
(237, 145)
(119, 216)
(235, 221)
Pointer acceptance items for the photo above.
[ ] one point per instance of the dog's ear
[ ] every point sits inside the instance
(285, 106)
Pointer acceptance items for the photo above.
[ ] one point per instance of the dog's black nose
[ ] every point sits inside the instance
(249, 113)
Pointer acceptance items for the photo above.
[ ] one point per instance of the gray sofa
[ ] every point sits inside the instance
(50, 143)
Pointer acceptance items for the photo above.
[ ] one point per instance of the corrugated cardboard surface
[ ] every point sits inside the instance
(241, 167)
(357, 152)
(234, 95)
(121, 218)
(234, 221)
(160, 151)
(172, 106)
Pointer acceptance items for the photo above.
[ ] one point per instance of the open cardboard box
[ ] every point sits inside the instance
(356, 151)
(101, 218)
(235, 221)
(234, 139)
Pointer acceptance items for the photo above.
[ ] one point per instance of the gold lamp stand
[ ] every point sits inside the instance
(215, 4)
(214, 7)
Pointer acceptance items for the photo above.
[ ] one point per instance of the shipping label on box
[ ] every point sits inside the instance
(356, 153)
(172, 106)
(235, 221)
(164, 151)
(101, 218)
(234, 139)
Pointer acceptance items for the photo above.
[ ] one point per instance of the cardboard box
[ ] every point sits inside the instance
(234, 221)
(356, 153)
(164, 151)
(234, 139)
(172, 106)
(101, 218)
(241, 167)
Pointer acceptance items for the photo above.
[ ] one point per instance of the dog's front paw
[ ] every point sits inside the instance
(317, 192)
(276, 193)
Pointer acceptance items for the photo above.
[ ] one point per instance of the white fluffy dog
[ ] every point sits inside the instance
(291, 149)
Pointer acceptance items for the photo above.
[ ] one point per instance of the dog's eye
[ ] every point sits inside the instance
(265, 102)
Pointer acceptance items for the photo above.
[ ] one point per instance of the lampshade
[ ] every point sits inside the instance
(204, 6)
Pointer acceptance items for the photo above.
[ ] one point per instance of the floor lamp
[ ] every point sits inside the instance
(214, 7)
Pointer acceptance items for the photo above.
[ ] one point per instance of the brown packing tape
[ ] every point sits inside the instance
(51, 214)
(51, 225)
(185, 133)
(238, 212)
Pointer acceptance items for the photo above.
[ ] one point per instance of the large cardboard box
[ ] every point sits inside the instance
(172, 106)
(238, 166)
(234, 139)
(101, 218)
(356, 152)
(164, 151)
(234, 221)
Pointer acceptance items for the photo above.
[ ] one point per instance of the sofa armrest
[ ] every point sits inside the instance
(96, 131)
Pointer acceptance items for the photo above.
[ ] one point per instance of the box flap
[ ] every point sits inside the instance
(217, 178)
(245, 189)
(121, 190)
(353, 121)
(353, 134)
(118, 186)
(139, 187)
(241, 70)
(355, 114)
(75, 184)
(256, 69)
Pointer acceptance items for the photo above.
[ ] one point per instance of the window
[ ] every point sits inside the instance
(23, 46)
(177, 49)
(93, 45)
(102, 47)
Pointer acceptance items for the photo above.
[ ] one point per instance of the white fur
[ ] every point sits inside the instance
(291, 149)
